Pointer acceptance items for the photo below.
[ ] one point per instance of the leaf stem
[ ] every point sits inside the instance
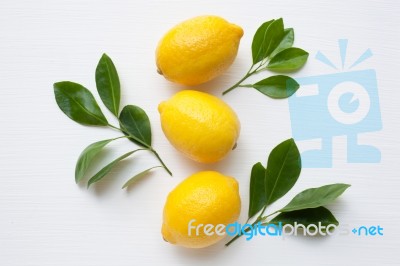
(259, 219)
(148, 147)
(120, 137)
(248, 74)
(263, 218)
(237, 84)
(239, 234)
(161, 161)
(246, 86)
(260, 69)
(262, 212)
(114, 127)
(133, 179)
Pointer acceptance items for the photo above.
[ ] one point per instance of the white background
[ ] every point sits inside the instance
(46, 219)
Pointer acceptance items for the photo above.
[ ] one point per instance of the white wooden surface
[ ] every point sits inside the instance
(46, 219)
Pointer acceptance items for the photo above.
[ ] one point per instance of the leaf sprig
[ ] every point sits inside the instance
(270, 183)
(272, 50)
(78, 103)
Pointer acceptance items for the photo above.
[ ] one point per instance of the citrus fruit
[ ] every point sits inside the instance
(200, 125)
(198, 50)
(208, 198)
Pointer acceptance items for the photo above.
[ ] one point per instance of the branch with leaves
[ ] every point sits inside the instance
(272, 50)
(78, 103)
(268, 184)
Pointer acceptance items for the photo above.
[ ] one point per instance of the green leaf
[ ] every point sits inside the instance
(138, 176)
(283, 170)
(78, 103)
(266, 39)
(108, 86)
(315, 197)
(277, 87)
(258, 197)
(135, 122)
(286, 42)
(273, 37)
(258, 40)
(106, 169)
(306, 217)
(86, 157)
(288, 60)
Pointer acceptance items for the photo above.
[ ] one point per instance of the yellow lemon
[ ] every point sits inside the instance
(198, 209)
(200, 125)
(198, 50)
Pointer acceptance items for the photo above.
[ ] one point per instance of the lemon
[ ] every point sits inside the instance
(200, 125)
(208, 198)
(198, 50)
